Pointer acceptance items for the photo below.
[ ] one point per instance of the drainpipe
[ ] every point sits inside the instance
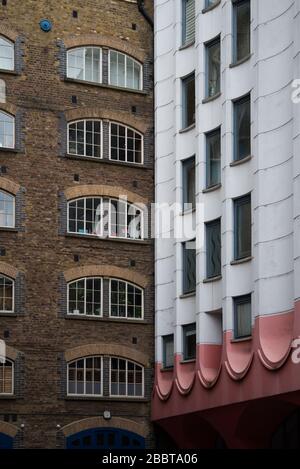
(141, 7)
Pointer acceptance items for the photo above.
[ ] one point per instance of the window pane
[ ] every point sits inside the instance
(213, 247)
(188, 21)
(188, 85)
(189, 342)
(242, 114)
(242, 25)
(243, 227)
(213, 148)
(168, 351)
(76, 64)
(7, 204)
(6, 294)
(243, 320)
(7, 53)
(7, 124)
(214, 68)
(189, 267)
(189, 190)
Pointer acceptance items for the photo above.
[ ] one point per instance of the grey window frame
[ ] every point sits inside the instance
(167, 338)
(236, 134)
(235, 5)
(184, 85)
(239, 202)
(208, 136)
(185, 41)
(186, 166)
(208, 46)
(185, 286)
(187, 328)
(209, 226)
(241, 300)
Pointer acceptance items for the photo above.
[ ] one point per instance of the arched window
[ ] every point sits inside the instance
(84, 63)
(7, 53)
(7, 377)
(85, 377)
(126, 300)
(126, 378)
(7, 130)
(85, 297)
(125, 144)
(6, 294)
(85, 138)
(7, 210)
(105, 217)
(124, 71)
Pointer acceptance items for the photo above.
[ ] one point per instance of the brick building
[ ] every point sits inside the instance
(76, 283)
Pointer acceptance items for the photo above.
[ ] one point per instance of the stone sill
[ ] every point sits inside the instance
(107, 161)
(243, 160)
(107, 399)
(114, 240)
(9, 150)
(211, 7)
(187, 295)
(209, 99)
(187, 212)
(242, 261)
(104, 85)
(75, 317)
(186, 362)
(187, 129)
(243, 339)
(7, 397)
(212, 188)
(241, 61)
(9, 72)
(4, 314)
(167, 369)
(212, 279)
(9, 230)
(186, 46)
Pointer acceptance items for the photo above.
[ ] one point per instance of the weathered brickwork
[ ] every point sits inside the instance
(41, 176)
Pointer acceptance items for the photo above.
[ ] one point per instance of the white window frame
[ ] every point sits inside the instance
(85, 313)
(12, 378)
(140, 88)
(84, 381)
(128, 204)
(6, 311)
(14, 128)
(126, 374)
(84, 67)
(126, 149)
(14, 210)
(12, 44)
(84, 142)
(126, 305)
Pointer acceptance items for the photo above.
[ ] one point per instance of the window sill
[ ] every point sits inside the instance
(167, 369)
(187, 295)
(8, 230)
(244, 339)
(241, 61)
(187, 129)
(107, 161)
(104, 85)
(211, 98)
(9, 150)
(212, 279)
(105, 319)
(7, 397)
(242, 261)
(114, 240)
(9, 72)
(188, 211)
(212, 188)
(186, 46)
(242, 161)
(106, 399)
(4, 314)
(186, 362)
(211, 7)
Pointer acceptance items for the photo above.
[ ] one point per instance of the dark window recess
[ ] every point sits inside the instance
(189, 267)
(134, 340)
(213, 158)
(133, 109)
(76, 258)
(2, 252)
(242, 128)
(242, 227)
(133, 26)
(213, 73)
(168, 351)
(76, 177)
(4, 2)
(189, 341)
(3, 169)
(188, 98)
(242, 317)
(241, 29)
(189, 183)
(213, 249)
(132, 263)
(74, 99)
(75, 14)
(6, 334)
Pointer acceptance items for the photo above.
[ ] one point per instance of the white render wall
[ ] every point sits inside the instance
(272, 175)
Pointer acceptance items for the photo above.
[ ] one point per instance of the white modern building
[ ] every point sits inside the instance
(228, 144)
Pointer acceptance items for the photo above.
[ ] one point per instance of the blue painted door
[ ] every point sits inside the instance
(105, 438)
(6, 442)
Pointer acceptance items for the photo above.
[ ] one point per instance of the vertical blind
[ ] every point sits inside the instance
(189, 21)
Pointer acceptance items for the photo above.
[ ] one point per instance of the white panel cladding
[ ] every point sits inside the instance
(272, 175)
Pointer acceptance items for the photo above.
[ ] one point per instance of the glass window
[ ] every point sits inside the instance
(7, 210)
(213, 158)
(188, 21)
(213, 249)
(7, 377)
(241, 27)
(84, 63)
(242, 317)
(242, 227)
(7, 54)
(188, 95)
(124, 71)
(168, 351)
(126, 378)
(7, 130)
(213, 51)
(6, 294)
(85, 297)
(189, 183)
(126, 300)
(125, 144)
(85, 377)
(85, 138)
(189, 341)
(210, 3)
(242, 128)
(189, 267)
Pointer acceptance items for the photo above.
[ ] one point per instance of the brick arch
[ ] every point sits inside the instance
(106, 271)
(8, 33)
(101, 40)
(9, 186)
(100, 422)
(11, 353)
(98, 190)
(8, 270)
(115, 350)
(9, 108)
(97, 113)
(8, 429)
